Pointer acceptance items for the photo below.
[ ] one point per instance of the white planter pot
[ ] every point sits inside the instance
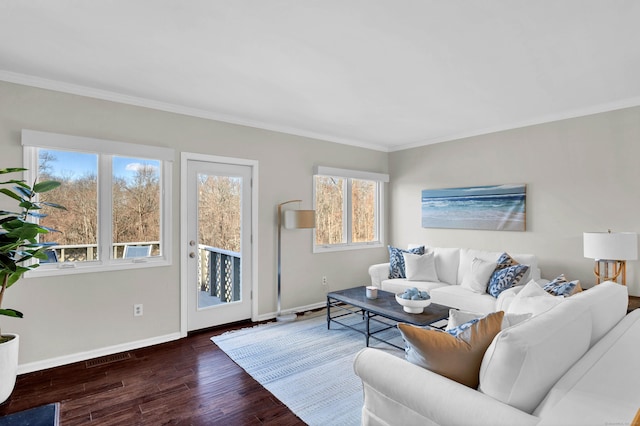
(8, 366)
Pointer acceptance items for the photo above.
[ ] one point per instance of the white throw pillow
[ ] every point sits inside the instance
(608, 305)
(457, 318)
(533, 300)
(447, 260)
(478, 277)
(420, 267)
(523, 362)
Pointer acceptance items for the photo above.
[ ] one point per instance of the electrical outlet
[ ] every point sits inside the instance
(324, 281)
(137, 310)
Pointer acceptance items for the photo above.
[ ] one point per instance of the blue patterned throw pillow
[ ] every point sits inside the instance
(508, 273)
(396, 260)
(455, 331)
(561, 287)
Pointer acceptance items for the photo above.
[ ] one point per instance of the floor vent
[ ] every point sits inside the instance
(107, 359)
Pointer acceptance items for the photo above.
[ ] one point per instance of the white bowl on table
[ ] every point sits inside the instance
(413, 306)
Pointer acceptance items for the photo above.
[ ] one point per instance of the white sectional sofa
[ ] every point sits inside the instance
(575, 364)
(452, 264)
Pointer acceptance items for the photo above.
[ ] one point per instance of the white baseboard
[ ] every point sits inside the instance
(83, 356)
(272, 315)
(110, 350)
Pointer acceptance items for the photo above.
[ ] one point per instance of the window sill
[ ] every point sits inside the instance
(345, 247)
(92, 267)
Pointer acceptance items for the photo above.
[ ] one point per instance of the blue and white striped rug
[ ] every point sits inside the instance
(306, 366)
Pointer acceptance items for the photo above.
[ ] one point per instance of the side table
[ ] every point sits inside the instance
(634, 303)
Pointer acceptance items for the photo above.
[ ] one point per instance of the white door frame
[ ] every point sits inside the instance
(184, 284)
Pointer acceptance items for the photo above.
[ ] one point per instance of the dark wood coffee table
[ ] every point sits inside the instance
(353, 301)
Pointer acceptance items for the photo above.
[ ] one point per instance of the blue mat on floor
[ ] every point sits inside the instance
(45, 415)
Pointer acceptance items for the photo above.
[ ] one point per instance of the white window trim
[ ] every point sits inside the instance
(381, 178)
(32, 140)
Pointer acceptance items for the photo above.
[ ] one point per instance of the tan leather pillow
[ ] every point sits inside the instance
(458, 358)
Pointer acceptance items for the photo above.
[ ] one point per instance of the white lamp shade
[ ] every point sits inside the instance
(611, 245)
(299, 219)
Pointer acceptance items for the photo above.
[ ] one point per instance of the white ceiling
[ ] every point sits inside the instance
(386, 75)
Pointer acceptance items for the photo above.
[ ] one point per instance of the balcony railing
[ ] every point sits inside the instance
(219, 273)
(89, 252)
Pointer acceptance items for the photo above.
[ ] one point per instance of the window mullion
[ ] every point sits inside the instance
(378, 211)
(105, 207)
(348, 211)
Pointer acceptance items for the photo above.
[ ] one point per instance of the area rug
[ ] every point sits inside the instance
(306, 366)
(45, 415)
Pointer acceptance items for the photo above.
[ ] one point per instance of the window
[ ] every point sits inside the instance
(117, 196)
(348, 206)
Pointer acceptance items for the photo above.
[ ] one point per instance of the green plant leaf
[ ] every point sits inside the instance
(17, 182)
(10, 193)
(54, 205)
(11, 313)
(28, 205)
(19, 237)
(8, 263)
(45, 186)
(25, 192)
(11, 170)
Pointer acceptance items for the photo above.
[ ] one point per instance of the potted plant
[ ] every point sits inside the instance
(18, 244)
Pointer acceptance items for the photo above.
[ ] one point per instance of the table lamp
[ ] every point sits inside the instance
(611, 250)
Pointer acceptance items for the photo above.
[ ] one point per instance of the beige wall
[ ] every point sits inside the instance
(84, 313)
(581, 174)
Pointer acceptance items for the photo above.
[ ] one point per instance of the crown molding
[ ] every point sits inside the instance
(565, 115)
(59, 86)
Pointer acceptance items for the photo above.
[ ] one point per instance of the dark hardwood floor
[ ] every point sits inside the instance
(186, 382)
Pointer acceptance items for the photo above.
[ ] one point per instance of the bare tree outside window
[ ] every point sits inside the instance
(363, 211)
(78, 225)
(346, 204)
(136, 199)
(219, 211)
(330, 193)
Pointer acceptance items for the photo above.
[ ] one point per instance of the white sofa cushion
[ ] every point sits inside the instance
(420, 267)
(601, 388)
(457, 297)
(399, 285)
(524, 361)
(608, 305)
(447, 260)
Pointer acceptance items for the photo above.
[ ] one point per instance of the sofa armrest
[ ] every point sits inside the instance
(379, 273)
(398, 392)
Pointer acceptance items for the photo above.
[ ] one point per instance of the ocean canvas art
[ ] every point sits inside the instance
(494, 207)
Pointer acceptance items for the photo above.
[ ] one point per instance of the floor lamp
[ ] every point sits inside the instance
(611, 250)
(290, 219)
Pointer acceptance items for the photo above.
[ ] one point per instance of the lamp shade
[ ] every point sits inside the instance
(299, 219)
(611, 245)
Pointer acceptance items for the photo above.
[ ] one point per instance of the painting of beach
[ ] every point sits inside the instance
(495, 207)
